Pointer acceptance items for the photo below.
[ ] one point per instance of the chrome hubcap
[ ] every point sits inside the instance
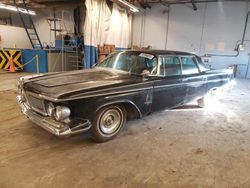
(110, 121)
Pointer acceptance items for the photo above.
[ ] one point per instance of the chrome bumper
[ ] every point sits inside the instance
(59, 129)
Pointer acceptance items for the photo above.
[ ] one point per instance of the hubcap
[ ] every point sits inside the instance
(110, 121)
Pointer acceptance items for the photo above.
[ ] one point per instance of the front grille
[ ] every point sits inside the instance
(35, 103)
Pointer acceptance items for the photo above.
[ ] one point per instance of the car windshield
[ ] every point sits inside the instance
(132, 62)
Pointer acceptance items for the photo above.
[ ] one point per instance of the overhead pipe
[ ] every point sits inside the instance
(195, 8)
(245, 28)
(223, 55)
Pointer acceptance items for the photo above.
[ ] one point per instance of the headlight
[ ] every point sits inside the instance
(61, 113)
(50, 109)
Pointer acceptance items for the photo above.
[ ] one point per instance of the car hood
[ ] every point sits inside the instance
(79, 83)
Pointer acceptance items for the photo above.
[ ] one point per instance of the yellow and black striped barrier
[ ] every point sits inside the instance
(11, 56)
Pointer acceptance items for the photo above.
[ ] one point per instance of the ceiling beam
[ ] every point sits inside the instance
(58, 2)
(47, 3)
(173, 2)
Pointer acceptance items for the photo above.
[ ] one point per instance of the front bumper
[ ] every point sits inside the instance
(60, 129)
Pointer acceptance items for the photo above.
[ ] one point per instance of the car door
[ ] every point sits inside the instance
(168, 90)
(193, 78)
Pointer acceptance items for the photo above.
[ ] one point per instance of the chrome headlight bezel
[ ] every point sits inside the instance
(61, 113)
(19, 89)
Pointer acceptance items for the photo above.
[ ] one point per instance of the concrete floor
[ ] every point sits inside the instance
(179, 148)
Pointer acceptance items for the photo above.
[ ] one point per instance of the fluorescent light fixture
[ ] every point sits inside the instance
(13, 8)
(132, 7)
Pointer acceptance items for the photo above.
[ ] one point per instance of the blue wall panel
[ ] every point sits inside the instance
(27, 55)
(90, 56)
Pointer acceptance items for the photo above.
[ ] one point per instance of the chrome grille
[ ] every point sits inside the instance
(35, 103)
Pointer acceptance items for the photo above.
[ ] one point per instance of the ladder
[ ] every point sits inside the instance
(29, 27)
(74, 55)
(76, 59)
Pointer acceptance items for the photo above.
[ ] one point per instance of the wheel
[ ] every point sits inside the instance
(209, 97)
(201, 102)
(108, 122)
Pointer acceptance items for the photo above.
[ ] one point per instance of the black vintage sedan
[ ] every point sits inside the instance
(126, 84)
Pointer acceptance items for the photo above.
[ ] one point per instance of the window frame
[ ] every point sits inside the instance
(159, 63)
(195, 62)
(136, 53)
(200, 64)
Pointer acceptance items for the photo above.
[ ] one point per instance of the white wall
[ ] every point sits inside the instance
(16, 35)
(213, 28)
(42, 25)
(13, 37)
(11, 14)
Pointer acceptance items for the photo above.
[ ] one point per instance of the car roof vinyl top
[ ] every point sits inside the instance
(161, 52)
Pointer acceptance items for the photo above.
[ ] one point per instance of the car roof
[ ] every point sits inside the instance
(161, 52)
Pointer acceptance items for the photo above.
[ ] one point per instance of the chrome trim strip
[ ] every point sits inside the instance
(180, 84)
(219, 80)
(121, 87)
(116, 92)
(191, 83)
(86, 96)
(169, 85)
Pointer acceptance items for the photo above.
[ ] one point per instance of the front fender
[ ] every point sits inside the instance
(87, 108)
(132, 104)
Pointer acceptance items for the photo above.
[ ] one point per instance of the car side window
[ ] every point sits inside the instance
(201, 65)
(189, 66)
(170, 66)
(151, 65)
